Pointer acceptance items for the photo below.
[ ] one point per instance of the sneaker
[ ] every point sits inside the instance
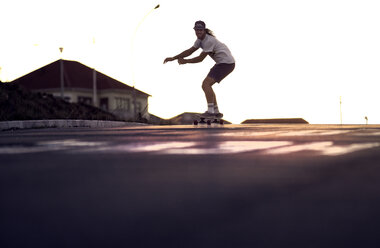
(208, 114)
(218, 115)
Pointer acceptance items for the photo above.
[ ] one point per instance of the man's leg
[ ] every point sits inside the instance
(217, 73)
(209, 92)
(207, 88)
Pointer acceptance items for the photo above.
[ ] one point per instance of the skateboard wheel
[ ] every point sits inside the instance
(195, 122)
(208, 122)
(221, 122)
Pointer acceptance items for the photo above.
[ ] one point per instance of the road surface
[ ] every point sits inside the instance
(185, 186)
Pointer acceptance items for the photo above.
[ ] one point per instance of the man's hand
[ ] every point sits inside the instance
(182, 55)
(182, 61)
(168, 59)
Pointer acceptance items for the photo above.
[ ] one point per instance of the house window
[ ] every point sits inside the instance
(104, 103)
(122, 103)
(85, 100)
(138, 107)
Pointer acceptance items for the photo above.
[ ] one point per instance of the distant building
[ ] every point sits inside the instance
(78, 86)
(276, 121)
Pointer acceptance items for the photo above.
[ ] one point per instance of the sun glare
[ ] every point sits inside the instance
(294, 59)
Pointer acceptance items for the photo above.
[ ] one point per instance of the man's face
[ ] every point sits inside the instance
(200, 33)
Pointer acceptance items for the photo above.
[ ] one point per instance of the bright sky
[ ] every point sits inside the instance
(294, 58)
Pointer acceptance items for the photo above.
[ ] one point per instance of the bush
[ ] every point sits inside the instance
(18, 103)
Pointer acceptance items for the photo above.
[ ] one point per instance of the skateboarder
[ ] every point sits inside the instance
(219, 52)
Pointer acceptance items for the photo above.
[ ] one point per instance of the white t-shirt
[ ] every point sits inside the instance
(219, 52)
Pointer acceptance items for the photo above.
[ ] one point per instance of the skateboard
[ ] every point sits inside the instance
(208, 120)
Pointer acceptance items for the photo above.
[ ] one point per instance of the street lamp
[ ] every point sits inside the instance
(133, 58)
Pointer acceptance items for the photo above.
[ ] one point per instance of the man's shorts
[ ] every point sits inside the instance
(219, 71)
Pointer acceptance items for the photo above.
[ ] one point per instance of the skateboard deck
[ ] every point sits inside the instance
(201, 119)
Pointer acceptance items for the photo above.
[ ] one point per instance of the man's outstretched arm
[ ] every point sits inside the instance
(184, 54)
(197, 59)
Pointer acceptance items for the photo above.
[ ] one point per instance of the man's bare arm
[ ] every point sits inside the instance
(184, 54)
(197, 59)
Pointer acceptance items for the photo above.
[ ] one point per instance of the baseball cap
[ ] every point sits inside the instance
(199, 25)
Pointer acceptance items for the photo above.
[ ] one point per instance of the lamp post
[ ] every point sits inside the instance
(133, 59)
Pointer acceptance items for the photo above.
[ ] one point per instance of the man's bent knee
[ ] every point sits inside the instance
(208, 82)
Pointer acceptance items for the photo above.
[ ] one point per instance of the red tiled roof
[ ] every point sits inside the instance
(76, 75)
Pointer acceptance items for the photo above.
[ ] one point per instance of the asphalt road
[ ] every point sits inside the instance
(185, 186)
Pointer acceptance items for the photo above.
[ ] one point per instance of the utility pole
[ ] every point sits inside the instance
(94, 86)
(61, 73)
(341, 119)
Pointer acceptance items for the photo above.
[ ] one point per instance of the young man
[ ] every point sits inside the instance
(219, 52)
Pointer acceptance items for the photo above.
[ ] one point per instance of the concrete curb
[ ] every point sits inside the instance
(6, 125)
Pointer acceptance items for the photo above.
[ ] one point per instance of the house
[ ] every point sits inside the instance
(75, 82)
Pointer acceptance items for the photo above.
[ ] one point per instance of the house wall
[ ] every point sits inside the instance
(120, 102)
(71, 95)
